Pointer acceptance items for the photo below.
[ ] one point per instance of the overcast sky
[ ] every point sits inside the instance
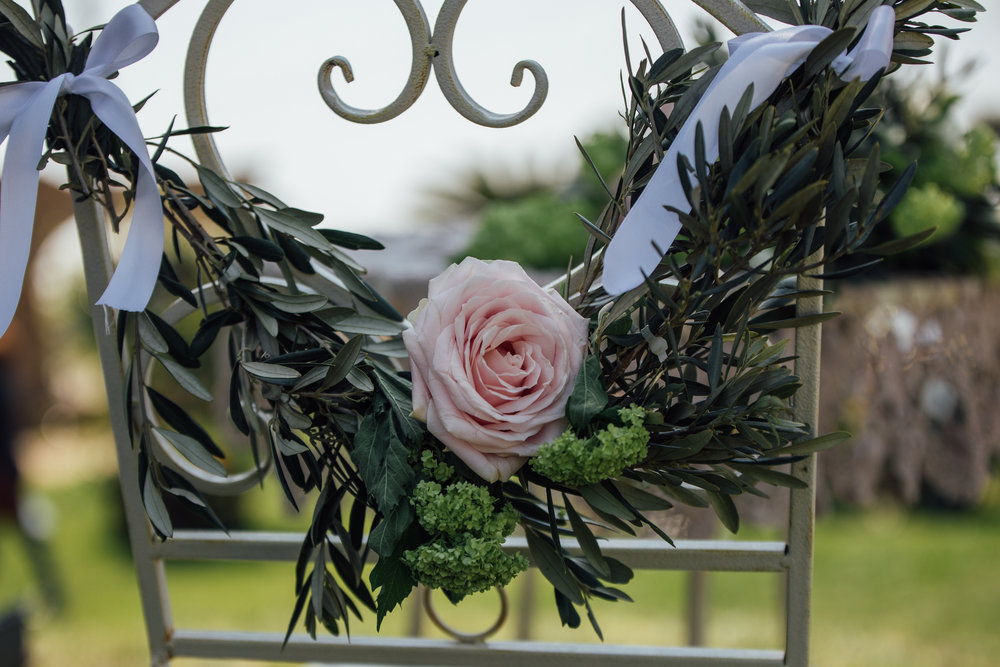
(262, 83)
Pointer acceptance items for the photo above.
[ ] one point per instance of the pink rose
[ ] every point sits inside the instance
(494, 360)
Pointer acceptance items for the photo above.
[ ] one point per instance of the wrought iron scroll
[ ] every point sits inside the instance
(434, 51)
(422, 57)
(430, 50)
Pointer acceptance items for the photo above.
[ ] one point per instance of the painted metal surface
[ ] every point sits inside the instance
(643, 554)
(393, 651)
(802, 507)
(431, 50)
(97, 267)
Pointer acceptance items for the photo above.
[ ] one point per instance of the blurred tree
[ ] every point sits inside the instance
(540, 228)
(955, 189)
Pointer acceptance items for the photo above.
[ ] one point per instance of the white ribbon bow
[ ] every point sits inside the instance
(760, 59)
(25, 109)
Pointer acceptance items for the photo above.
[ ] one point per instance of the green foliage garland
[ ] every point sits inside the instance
(309, 348)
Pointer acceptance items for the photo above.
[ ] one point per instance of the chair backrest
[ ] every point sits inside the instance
(791, 558)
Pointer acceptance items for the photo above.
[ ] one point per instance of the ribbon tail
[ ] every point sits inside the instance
(874, 50)
(648, 229)
(128, 37)
(134, 279)
(18, 191)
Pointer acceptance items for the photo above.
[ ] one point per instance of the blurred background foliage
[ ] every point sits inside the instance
(536, 223)
(955, 189)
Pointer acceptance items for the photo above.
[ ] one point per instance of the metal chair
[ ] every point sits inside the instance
(431, 50)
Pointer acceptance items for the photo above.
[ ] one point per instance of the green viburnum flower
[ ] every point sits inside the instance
(434, 468)
(461, 507)
(463, 564)
(464, 555)
(577, 461)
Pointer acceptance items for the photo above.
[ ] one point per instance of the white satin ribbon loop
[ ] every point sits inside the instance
(25, 110)
(758, 59)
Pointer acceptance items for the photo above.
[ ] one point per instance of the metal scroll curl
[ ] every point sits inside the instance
(422, 55)
(429, 50)
(434, 50)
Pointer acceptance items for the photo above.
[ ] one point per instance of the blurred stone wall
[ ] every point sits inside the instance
(912, 370)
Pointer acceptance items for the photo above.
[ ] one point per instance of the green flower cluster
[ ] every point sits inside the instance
(577, 461)
(463, 565)
(464, 554)
(433, 468)
(461, 507)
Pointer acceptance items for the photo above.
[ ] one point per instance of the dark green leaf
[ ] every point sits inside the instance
(150, 337)
(22, 22)
(193, 451)
(588, 397)
(550, 563)
(900, 245)
(770, 476)
(288, 221)
(262, 248)
(586, 540)
(356, 526)
(185, 378)
(343, 362)
(300, 602)
(812, 444)
(620, 572)
(603, 500)
(398, 392)
(209, 329)
(794, 322)
(318, 577)
(386, 535)
(593, 620)
(715, 359)
(827, 50)
(368, 325)
(177, 485)
(175, 415)
(261, 194)
(684, 495)
(156, 510)
(236, 405)
(381, 457)
(177, 346)
(299, 303)
(274, 373)
(725, 509)
(393, 580)
(670, 67)
(350, 240)
(641, 499)
(168, 278)
(782, 10)
(568, 615)
(217, 188)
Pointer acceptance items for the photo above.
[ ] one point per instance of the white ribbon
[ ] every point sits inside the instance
(25, 109)
(758, 59)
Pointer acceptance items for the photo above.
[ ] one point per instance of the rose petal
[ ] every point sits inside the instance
(494, 359)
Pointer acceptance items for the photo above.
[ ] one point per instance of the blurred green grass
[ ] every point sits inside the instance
(891, 588)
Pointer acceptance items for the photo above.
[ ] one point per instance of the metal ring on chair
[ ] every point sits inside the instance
(230, 485)
(466, 637)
